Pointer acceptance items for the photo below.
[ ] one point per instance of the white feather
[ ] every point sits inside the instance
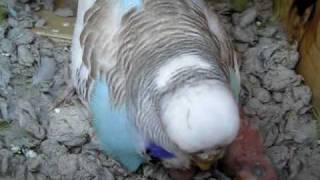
(201, 117)
(167, 71)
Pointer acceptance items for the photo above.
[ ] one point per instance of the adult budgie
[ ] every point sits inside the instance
(160, 77)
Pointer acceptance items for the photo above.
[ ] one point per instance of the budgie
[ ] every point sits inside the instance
(160, 77)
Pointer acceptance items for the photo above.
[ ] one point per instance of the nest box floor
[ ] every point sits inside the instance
(37, 143)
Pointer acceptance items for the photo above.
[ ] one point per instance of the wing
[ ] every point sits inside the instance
(228, 55)
(99, 81)
(95, 45)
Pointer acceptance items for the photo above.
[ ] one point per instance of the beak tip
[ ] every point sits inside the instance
(203, 166)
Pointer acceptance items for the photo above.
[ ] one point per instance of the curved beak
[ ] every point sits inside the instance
(204, 166)
(205, 160)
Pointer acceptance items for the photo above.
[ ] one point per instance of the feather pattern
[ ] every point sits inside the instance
(123, 47)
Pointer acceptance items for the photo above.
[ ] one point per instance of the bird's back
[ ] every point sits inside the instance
(136, 44)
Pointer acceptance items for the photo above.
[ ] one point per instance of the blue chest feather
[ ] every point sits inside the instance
(117, 135)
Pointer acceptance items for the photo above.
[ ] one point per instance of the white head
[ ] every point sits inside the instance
(201, 117)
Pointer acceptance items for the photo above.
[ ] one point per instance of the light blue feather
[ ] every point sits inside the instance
(128, 4)
(117, 135)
